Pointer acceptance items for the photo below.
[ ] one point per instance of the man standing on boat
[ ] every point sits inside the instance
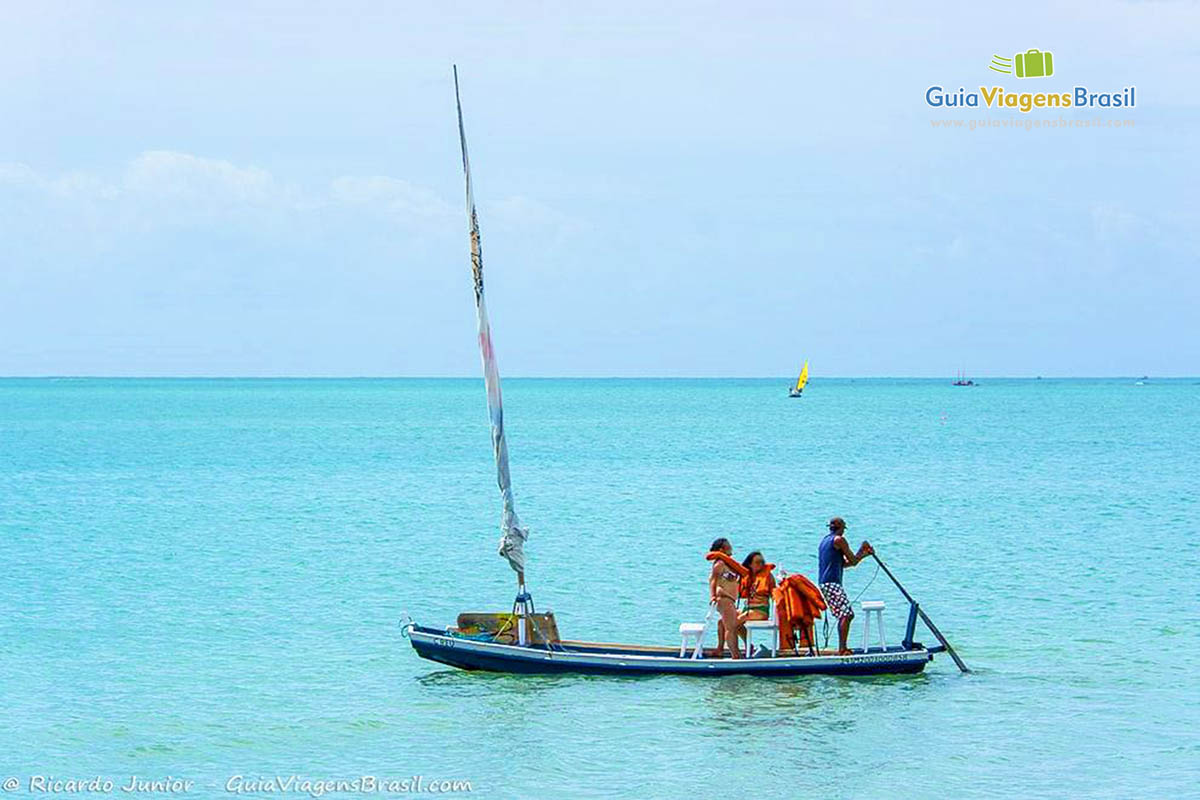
(835, 554)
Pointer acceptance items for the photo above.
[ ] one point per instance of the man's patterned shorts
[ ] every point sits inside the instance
(835, 597)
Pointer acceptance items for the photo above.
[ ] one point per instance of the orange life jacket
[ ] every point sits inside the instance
(798, 602)
(717, 555)
(763, 583)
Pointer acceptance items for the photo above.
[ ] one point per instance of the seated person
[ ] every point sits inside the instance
(756, 588)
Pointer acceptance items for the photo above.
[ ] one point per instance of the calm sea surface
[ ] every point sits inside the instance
(203, 578)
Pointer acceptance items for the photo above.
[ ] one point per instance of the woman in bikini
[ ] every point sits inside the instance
(723, 590)
(756, 588)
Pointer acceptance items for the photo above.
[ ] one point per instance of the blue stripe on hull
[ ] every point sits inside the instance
(564, 663)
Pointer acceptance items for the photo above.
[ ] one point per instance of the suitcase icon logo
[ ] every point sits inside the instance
(1030, 64)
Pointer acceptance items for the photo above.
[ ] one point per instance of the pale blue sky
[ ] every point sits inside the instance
(697, 189)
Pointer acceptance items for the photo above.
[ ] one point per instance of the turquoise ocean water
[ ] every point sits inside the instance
(203, 578)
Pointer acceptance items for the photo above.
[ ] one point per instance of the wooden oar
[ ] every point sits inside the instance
(925, 617)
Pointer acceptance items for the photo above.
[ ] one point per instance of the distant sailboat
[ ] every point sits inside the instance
(961, 379)
(801, 382)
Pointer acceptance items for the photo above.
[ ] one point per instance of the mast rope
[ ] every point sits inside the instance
(537, 629)
(868, 586)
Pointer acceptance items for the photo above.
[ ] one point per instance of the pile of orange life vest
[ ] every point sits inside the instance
(798, 603)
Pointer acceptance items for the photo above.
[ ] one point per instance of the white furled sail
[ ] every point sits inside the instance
(512, 535)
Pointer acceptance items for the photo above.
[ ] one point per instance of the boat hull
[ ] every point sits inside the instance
(594, 659)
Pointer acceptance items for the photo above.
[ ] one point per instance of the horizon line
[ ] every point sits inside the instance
(51, 376)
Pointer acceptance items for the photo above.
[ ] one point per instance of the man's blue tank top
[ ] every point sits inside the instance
(831, 561)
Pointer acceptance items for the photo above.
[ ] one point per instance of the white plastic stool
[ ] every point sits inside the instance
(695, 631)
(873, 607)
(769, 625)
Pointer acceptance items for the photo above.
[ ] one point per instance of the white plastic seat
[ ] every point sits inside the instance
(695, 632)
(875, 607)
(768, 625)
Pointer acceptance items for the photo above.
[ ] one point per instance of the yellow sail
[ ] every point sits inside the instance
(803, 379)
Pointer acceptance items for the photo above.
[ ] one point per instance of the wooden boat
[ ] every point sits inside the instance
(450, 647)
(961, 379)
(801, 382)
(523, 641)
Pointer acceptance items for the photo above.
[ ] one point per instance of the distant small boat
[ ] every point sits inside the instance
(961, 379)
(801, 382)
